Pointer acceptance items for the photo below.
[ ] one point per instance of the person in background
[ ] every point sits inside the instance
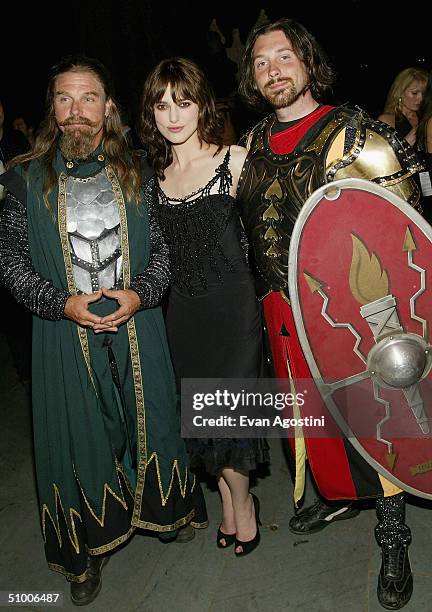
(19, 123)
(129, 133)
(12, 141)
(404, 99)
(16, 320)
(424, 146)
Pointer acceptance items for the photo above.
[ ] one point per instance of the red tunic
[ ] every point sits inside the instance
(339, 471)
(285, 142)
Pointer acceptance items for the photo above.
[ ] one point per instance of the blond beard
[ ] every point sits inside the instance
(285, 97)
(77, 143)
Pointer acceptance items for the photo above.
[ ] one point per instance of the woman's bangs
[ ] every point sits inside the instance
(182, 91)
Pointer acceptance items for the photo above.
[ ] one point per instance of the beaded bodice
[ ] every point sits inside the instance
(203, 232)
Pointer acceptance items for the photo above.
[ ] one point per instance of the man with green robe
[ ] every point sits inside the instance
(80, 247)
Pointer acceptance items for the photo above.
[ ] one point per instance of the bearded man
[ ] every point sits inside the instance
(302, 145)
(80, 247)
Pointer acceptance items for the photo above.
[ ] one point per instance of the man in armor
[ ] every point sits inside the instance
(81, 248)
(299, 147)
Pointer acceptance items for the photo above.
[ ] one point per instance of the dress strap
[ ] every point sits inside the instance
(224, 174)
(225, 163)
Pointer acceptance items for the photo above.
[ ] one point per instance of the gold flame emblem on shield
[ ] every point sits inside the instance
(368, 281)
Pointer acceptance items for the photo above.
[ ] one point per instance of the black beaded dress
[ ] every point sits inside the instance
(213, 317)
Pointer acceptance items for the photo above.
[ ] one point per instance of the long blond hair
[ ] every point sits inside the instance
(124, 162)
(425, 116)
(400, 84)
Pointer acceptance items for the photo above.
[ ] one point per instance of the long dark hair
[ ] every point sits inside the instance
(187, 81)
(425, 115)
(321, 73)
(124, 163)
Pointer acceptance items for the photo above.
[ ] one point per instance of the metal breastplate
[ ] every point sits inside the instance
(273, 188)
(93, 225)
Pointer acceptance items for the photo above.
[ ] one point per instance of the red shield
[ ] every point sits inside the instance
(360, 274)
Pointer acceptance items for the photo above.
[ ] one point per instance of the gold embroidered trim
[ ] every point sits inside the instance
(174, 469)
(106, 489)
(114, 544)
(73, 512)
(92, 551)
(64, 239)
(140, 415)
(56, 524)
(199, 525)
(101, 520)
(119, 540)
(163, 528)
(122, 471)
(134, 349)
(71, 577)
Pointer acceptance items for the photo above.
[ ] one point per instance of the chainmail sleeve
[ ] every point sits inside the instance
(16, 270)
(153, 282)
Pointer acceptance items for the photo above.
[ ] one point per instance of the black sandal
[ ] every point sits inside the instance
(228, 537)
(248, 547)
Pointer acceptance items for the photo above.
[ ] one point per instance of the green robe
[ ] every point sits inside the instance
(90, 497)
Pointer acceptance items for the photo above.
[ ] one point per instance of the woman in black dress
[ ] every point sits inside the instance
(402, 106)
(424, 147)
(213, 319)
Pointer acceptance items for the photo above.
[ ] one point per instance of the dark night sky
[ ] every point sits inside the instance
(367, 42)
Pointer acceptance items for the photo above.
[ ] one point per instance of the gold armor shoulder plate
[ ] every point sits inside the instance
(373, 151)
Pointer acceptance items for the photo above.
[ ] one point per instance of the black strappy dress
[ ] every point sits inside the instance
(213, 316)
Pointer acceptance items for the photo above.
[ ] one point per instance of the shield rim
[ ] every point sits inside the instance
(306, 210)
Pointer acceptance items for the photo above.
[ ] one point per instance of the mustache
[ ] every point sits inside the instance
(271, 82)
(78, 121)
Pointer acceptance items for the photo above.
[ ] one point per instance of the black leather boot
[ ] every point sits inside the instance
(319, 515)
(395, 581)
(185, 534)
(83, 593)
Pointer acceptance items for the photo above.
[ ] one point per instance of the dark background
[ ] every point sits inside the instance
(368, 42)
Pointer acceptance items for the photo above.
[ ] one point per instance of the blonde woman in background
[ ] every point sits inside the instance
(424, 147)
(402, 106)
